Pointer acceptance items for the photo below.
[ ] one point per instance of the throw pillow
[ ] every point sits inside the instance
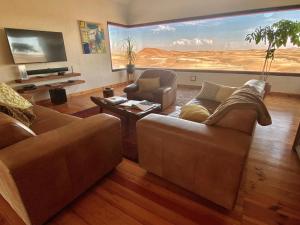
(14, 105)
(12, 131)
(224, 93)
(208, 91)
(25, 116)
(215, 92)
(196, 113)
(148, 84)
(9, 97)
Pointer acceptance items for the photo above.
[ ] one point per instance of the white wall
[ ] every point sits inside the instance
(279, 84)
(144, 11)
(63, 16)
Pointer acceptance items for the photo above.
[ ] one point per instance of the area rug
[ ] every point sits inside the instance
(184, 95)
(87, 112)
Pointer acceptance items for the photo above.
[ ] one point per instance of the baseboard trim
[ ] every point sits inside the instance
(189, 86)
(273, 93)
(282, 94)
(99, 89)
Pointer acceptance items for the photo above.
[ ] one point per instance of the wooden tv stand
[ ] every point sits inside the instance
(47, 87)
(46, 78)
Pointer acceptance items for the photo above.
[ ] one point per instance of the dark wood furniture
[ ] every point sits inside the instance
(47, 87)
(108, 92)
(129, 117)
(47, 77)
(297, 140)
(58, 96)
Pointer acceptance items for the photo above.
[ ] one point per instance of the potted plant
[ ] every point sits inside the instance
(275, 36)
(130, 55)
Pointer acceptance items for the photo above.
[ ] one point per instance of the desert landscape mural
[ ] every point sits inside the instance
(207, 44)
(287, 60)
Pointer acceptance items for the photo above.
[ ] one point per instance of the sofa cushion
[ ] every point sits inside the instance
(208, 104)
(148, 84)
(25, 116)
(224, 93)
(48, 119)
(14, 105)
(9, 97)
(196, 113)
(208, 91)
(12, 131)
(215, 92)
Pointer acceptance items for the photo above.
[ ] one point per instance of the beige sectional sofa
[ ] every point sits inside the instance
(44, 170)
(207, 160)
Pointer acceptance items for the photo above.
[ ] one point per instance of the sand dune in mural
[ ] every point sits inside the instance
(286, 60)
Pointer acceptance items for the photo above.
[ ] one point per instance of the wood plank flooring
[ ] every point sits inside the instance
(270, 192)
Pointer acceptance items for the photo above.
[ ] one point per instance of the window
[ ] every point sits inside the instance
(117, 35)
(206, 44)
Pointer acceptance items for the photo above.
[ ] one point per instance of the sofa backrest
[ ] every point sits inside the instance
(243, 120)
(167, 77)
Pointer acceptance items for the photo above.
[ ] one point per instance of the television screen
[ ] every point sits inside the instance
(31, 46)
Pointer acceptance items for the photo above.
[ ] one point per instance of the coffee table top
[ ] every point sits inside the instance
(123, 111)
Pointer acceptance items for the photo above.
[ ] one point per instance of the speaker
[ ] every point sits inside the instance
(49, 70)
(23, 72)
(58, 96)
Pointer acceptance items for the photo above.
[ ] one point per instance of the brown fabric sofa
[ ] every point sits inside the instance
(207, 160)
(165, 95)
(43, 172)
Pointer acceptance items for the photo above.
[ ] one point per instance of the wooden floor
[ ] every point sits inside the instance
(270, 192)
(77, 103)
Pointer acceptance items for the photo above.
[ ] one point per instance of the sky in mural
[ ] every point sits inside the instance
(226, 33)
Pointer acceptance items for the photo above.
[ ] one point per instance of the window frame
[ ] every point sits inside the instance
(212, 16)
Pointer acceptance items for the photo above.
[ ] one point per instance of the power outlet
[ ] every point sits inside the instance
(193, 78)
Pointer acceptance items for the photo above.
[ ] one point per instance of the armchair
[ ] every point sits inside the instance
(165, 95)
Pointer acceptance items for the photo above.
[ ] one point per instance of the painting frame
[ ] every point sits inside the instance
(92, 37)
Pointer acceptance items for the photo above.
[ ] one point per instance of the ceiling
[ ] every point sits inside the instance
(125, 2)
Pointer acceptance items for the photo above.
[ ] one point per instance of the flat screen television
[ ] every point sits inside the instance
(32, 46)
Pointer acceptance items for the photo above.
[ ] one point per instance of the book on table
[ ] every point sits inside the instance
(115, 100)
(141, 105)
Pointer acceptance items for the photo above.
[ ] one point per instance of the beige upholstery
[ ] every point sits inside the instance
(42, 174)
(165, 95)
(14, 131)
(207, 160)
(48, 119)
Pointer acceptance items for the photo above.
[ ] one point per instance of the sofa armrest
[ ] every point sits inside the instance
(204, 159)
(162, 90)
(131, 88)
(44, 173)
(165, 95)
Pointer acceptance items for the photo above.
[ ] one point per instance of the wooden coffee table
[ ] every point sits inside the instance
(129, 117)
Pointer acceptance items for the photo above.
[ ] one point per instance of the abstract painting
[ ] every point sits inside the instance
(92, 37)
